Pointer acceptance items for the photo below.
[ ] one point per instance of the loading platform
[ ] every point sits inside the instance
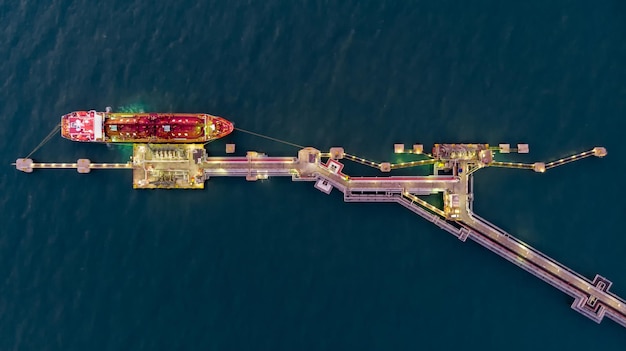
(187, 166)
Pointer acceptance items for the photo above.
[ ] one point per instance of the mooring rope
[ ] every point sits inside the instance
(270, 138)
(46, 139)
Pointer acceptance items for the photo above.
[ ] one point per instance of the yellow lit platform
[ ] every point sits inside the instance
(168, 166)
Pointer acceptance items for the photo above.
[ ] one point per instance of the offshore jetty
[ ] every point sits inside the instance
(188, 166)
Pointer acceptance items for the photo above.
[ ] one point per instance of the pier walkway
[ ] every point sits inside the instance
(591, 298)
(188, 166)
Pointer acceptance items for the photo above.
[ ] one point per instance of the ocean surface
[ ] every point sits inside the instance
(88, 263)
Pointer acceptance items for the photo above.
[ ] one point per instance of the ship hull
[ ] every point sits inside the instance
(105, 127)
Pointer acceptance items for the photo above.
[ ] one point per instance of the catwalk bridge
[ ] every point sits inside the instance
(187, 166)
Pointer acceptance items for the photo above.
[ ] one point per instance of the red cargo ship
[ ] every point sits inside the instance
(107, 127)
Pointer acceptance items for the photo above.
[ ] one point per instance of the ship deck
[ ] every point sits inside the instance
(157, 128)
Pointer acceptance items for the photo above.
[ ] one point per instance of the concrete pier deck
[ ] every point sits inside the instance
(188, 167)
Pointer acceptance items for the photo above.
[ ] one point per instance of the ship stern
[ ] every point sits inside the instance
(65, 126)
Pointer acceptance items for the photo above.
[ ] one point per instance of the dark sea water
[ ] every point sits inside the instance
(87, 263)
